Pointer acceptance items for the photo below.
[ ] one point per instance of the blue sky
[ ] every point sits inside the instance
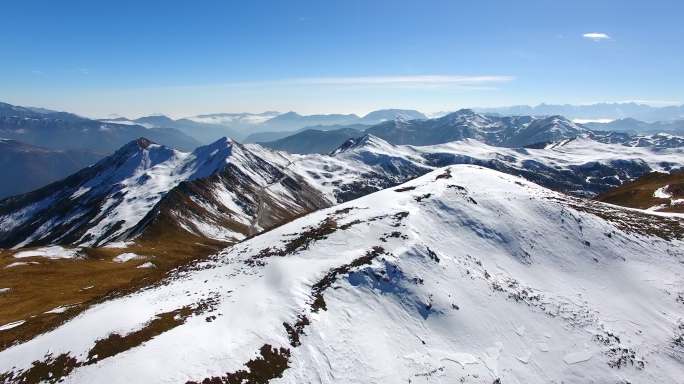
(187, 57)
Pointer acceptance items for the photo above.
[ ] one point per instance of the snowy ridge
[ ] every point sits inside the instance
(104, 201)
(464, 273)
(509, 131)
(581, 166)
(226, 191)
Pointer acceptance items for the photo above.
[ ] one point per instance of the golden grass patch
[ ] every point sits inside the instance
(72, 285)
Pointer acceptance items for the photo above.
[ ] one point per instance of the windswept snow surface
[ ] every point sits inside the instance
(463, 274)
(124, 257)
(51, 252)
(11, 325)
(662, 193)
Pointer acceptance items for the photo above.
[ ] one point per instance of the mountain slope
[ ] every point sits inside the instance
(245, 196)
(26, 167)
(464, 274)
(657, 191)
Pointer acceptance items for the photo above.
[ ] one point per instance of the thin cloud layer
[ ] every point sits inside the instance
(484, 82)
(404, 80)
(596, 36)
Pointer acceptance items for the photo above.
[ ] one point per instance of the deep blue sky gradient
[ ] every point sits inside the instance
(186, 57)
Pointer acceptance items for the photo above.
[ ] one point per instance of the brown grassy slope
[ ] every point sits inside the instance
(79, 283)
(639, 193)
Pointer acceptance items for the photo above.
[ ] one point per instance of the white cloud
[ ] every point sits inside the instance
(596, 36)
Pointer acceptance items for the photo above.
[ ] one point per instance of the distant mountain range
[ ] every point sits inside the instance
(675, 127)
(200, 132)
(293, 121)
(267, 126)
(85, 140)
(500, 131)
(66, 131)
(594, 111)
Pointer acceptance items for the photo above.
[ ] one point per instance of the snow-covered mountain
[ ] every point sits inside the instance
(226, 191)
(142, 183)
(579, 166)
(657, 140)
(516, 131)
(462, 275)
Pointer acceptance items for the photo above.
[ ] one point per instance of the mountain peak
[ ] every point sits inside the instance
(136, 145)
(393, 114)
(143, 142)
(367, 141)
(463, 113)
(221, 143)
